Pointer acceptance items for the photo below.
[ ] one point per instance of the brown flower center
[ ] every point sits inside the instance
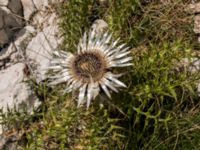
(89, 65)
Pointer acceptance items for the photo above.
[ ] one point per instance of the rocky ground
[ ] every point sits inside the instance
(28, 33)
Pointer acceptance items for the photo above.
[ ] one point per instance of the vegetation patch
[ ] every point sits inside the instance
(159, 109)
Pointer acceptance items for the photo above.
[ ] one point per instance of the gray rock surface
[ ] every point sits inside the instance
(1, 20)
(40, 5)
(194, 8)
(12, 21)
(197, 24)
(15, 6)
(14, 52)
(4, 37)
(6, 53)
(28, 47)
(40, 48)
(4, 2)
(29, 8)
(100, 25)
(14, 91)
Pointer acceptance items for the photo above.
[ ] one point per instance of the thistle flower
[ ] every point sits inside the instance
(89, 70)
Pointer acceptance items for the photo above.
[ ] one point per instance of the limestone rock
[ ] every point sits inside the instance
(40, 49)
(15, 51)
(197, 24)
(100, 25)
(43, 20)
(10, 19)
(22, 39)
(23, 36)
(192, 64)
(195, 65)
(13, 91)
(198, 40)
(194, 8)
(29, 8)
(56, 1)
(12, 24)
(41, 4)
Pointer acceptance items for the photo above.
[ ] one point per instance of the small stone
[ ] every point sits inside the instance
(192, 64)
(100, 25)
(199, 40)
(29, 8)
(195, 65)
(197, 24)
(194, 8)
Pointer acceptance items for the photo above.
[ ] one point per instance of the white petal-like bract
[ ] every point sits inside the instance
(90, 69)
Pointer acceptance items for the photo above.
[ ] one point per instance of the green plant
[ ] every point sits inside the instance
(76, 18)
(160, 90)
(158, 110)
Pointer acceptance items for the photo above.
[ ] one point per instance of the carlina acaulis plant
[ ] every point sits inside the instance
(90, 69)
